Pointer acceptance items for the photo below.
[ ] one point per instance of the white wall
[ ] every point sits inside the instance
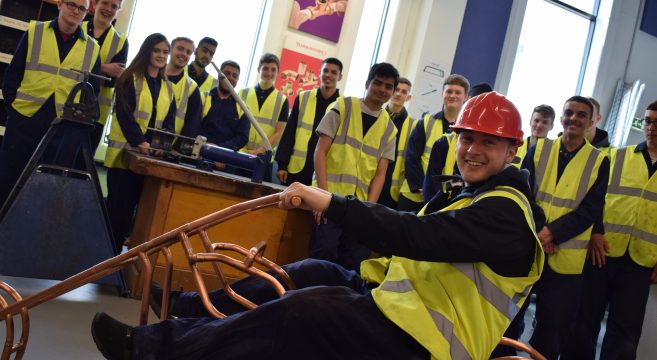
(628, 54)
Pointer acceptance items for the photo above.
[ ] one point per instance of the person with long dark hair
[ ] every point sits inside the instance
(144, 98)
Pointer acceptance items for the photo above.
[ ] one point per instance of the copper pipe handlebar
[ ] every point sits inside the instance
(141, 253)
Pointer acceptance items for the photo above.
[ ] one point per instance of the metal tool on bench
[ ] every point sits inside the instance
(176, 147)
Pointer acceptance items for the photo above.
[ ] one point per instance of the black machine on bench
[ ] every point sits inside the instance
(198, 151)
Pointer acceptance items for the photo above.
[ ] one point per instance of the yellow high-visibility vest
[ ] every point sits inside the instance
(113, 44)
(267, 115)
(433, 130)
(117, 141)
(630, 206)
(304, 130)
(559, 199)
(46, 75)
(454, 310)
(182, 90)
(398, 173)
(352, 160)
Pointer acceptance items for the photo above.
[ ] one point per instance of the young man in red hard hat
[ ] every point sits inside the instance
(447, 290)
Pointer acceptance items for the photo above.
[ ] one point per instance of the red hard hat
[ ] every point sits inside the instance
(491, 113)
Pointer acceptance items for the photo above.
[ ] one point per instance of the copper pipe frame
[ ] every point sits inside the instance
(522, 347)
(141, 254)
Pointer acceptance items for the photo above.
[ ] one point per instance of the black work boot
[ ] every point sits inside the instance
(112, 337)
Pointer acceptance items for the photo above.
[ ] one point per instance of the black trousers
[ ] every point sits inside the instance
(557, 302)
(406, 204)
(123, 192)
(331, 316)
(623, 286)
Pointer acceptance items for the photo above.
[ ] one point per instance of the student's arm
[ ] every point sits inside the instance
(125, 114)
(15, 72)
(321, 152)
(241, 134)
(430, 185)
(413, 160)
(288, 139)
(192, 126)
(280, 124)
(114, 68)
(377, 182)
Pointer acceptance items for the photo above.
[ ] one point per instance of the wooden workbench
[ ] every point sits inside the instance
(175, 194)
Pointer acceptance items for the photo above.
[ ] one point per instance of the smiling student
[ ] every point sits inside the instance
(33, 95)
(189, 107)
(569, 180)
(113, 55)
(144, 98)
(447, 290)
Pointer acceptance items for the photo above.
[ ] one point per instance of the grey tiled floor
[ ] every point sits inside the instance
(60, 328)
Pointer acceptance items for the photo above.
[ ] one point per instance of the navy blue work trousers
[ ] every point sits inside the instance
(557, 301)
(330, 316)
(123, 193)
(328, 242)
(622, 285)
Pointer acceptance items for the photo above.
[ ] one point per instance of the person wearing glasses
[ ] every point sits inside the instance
(38, 81)
(569, 179)
(113, 55)
(619, 274)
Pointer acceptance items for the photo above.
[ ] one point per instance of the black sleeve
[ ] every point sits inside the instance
(413, 159)
(486, 231)
(285, 112)
(169, 122)
(431, 185)
(286, 145)
(192, 126)
(588, 212)
(241, 135)
(125, 114)
(528, 163)
(120, 57)
(15, 72)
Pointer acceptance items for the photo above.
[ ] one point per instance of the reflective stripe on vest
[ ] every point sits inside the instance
(433, 130)
(630, 203)
(560, 198)
(353, 157)
(112, 45)
(304, 130)
(43, 66)
(454, 310)
(182, 90)
(520, 154)
(398, 173)
(142, 115)
(267, 115)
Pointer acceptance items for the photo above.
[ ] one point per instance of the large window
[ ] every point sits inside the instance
(554, 45)
(372, 40)
(234, 24)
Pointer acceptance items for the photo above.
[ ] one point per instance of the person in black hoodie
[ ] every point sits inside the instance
(463, 268)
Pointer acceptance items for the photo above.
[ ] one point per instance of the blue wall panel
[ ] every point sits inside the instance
(481, 40)
(649, 20)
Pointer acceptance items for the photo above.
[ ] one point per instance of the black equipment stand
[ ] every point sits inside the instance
(54, 223)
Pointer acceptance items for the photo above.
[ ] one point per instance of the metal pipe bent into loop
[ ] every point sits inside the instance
(141, 254)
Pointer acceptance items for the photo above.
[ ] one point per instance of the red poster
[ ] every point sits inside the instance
(298, 72)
